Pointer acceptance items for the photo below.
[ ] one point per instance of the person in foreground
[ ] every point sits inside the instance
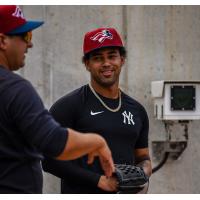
(101, 106)
(27, 130)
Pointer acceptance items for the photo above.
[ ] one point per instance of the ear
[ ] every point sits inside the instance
(87, 65)
(122, 60)
(3, 41)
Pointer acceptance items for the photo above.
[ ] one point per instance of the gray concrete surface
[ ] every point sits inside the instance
(163, 42)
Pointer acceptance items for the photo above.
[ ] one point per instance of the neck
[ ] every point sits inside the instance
(3, 62)
(109, 91)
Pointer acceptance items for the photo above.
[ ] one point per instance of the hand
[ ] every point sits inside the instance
(105, 158)
(108, 184)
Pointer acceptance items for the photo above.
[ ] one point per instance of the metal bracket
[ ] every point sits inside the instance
(175, 148)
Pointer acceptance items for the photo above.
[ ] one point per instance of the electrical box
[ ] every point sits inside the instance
(176, 100)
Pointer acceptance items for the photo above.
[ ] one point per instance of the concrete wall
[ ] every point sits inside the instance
(163, 42)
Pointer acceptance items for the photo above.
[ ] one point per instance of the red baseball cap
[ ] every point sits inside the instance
(101, 37)
(12, 20)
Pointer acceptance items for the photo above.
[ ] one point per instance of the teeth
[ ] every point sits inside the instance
(107, 73)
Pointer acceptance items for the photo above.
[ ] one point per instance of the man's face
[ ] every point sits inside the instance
(105, 66)
(15, 50)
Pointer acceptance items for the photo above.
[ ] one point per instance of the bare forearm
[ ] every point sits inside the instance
(146, 165)
(79, 144)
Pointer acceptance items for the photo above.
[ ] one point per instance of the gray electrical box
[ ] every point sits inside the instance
(176, 100)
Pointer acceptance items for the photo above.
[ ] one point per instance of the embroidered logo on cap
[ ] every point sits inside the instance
(101, 36)
(18, 13)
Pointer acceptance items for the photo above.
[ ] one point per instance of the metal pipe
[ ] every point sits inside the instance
(163, 161)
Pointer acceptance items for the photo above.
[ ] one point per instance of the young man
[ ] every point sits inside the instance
(27, 130)
(102, 107)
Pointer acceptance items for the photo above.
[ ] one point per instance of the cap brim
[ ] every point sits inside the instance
(28, 26)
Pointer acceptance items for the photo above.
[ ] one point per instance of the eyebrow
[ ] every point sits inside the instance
(98, 53)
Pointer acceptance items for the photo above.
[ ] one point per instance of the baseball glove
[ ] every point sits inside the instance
(131, 179)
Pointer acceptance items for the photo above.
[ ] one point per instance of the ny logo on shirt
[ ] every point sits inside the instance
(128, 118)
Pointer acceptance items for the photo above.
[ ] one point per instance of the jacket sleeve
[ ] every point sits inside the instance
(35, 124)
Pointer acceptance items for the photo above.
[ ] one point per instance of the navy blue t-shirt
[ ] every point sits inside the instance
(124, 131)
(27, 131)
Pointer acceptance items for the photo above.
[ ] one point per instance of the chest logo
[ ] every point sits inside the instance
(128, 118)
(96, 113)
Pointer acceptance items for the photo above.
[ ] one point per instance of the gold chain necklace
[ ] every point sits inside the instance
(98, 97)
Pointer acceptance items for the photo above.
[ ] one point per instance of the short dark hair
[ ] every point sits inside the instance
(122, 52)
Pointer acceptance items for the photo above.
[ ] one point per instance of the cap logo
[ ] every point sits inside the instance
(18, 13)
(101, 36)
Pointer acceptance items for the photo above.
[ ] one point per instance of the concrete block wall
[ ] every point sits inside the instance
(163, 42)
